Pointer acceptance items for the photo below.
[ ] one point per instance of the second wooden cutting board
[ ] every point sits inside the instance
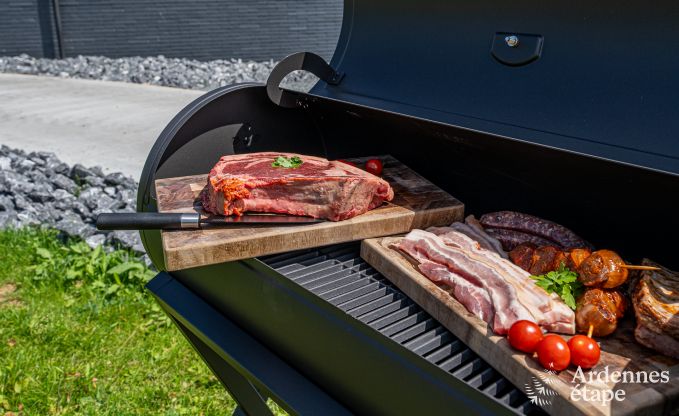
(417, 204)
(565, 393)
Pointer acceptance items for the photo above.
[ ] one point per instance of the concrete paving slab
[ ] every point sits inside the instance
(111, 124)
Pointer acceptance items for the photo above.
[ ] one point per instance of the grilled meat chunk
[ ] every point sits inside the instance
(601, 309)
(575, 257)
(656, 306)
(603, 268)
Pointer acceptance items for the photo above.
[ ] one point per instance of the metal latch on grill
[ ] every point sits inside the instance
(516, 49)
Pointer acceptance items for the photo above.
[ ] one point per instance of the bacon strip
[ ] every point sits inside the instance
(513, 294)
(551, 312)
(474, 297)
(474, 224)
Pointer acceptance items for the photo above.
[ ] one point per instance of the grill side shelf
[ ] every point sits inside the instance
(339, 276)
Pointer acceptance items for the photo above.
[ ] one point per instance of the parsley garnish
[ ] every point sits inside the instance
(287, 162)
(564, 282)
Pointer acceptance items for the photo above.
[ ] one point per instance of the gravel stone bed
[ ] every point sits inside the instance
(37, 189)
(158, 70)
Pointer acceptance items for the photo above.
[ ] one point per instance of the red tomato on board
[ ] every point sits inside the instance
(524, 336)
(374, 166)
(585, 352)
(553, 353)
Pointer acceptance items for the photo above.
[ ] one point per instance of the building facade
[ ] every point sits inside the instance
(199, 29)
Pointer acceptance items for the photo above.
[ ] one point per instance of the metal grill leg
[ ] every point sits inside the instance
(250, 401)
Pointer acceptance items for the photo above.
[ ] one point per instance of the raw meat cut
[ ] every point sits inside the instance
(317, 188)
(464, 229)
(513, 294)
(474, 297)
(554, 314)
(470, 293)
(475, 225)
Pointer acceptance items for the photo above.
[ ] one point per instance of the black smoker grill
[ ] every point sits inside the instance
(569, 111)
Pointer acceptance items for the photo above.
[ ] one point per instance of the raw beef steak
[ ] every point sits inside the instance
(317, 188)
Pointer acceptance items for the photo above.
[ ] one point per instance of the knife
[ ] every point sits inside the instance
(185, 221)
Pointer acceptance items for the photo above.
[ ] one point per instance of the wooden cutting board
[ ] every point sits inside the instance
(417, 203)
(553, 392)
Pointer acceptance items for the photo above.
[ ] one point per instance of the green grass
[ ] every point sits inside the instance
(79, 335)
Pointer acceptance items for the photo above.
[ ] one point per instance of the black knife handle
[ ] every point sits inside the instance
(147, 221)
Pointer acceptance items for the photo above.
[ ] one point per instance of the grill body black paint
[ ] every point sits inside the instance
(339, 276)
(581, 135)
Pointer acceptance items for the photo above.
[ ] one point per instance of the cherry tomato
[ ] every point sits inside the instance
(347, 162)
(585, 352)
(553, 353)
(524, 336)
(374, 166)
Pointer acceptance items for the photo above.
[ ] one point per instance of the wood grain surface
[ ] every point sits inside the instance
(417, 203)
(619, 351)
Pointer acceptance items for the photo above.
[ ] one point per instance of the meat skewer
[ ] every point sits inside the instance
(606, 267)
(602, 268)
(635, 267)
(599, 310)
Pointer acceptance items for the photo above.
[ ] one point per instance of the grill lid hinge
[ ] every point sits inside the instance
(306, 61)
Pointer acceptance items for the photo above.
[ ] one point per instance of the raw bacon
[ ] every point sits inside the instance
(514, 296)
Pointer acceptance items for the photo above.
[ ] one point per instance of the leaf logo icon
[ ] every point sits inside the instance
(538, 390)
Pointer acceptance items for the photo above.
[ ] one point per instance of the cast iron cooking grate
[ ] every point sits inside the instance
(340, 276)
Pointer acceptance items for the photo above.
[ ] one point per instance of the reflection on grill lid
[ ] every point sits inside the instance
(597, 78)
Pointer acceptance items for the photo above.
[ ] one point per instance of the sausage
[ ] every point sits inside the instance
(546, 259)
(517, 221)
(511, 238)
(522, 255)
(541, 260)
(604, 269)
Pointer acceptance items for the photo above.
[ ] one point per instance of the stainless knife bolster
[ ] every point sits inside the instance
(189, 221)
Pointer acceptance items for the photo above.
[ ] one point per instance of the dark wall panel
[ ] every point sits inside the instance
(203, 29)
(26, 26)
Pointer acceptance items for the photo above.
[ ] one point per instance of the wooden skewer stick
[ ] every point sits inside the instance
(591, 329)
(633, 267)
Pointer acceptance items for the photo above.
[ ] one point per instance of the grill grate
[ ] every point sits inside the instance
(338, 275)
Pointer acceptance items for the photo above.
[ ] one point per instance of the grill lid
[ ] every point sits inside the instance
(595, 78)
